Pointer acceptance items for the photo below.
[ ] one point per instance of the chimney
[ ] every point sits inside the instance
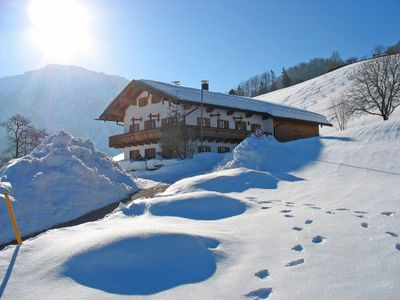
(204, 85)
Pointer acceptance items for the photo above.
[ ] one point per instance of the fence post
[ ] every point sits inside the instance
(12, 217)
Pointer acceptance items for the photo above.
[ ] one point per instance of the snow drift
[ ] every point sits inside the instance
(63, 178)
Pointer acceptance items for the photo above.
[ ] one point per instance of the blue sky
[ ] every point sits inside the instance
(219, 40)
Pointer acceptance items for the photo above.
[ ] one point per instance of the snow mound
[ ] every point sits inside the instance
(63, 178)
(267, 154)
(145, 265)
(172, 170)
(196, 206)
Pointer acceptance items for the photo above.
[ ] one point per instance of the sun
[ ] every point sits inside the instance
(60, 29)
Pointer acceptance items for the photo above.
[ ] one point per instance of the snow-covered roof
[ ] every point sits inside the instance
(244, 103)
(192, 95)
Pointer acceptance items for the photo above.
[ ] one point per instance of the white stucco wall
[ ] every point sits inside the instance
(144, 112)
(266, 125)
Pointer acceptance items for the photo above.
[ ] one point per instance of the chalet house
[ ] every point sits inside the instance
(208, 121)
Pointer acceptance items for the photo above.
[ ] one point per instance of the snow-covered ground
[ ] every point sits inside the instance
(62, 179)
(315, 95)
(310, 219)
(171, 170)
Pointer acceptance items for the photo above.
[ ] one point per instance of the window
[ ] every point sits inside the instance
(167, 122)
(204, 149)
(134, 127)
(223, 124)
(223, 149)
(206, 122)
(155, 98)
(143, 101)
(149, 124)
(254, 127)
(240, 125)
(150, 153)
(135, 155)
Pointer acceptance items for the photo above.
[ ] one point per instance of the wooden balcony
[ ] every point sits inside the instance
(210, 134)
(213, 134)
(135, 138)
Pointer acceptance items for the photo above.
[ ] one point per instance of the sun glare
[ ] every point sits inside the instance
(60, 29)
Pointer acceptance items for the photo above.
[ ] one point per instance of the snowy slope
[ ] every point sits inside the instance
(315, 94)
(310, 219)
(62, 97)
(62, 179)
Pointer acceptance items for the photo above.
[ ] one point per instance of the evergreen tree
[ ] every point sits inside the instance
(232, 92)
(286, 81)
(274, 85)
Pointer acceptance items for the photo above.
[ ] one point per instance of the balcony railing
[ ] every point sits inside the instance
(189, 131)
(135, 138)
(216, 134)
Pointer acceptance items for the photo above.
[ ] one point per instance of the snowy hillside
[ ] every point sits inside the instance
(315, 94)
(62, 179)
(317, 218)
(62, 97)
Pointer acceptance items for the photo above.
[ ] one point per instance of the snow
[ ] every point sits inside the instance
(171, 170)
(64, 178)
(315, 95)
(238, 102)
(312, 218)
(279, 221)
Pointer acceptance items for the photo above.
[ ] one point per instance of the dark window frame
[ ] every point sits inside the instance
(150, 153)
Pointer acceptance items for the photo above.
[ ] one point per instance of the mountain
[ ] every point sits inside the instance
(315, 94)
(62, 97)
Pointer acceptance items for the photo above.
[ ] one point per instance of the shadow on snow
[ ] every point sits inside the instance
(145, 265)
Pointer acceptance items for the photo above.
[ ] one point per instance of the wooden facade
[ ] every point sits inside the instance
(287, 130)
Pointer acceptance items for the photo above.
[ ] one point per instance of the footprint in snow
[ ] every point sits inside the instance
(308, 204)
(330, 212)
(315, 207)
(289, 216)
(360, 212)
(360, 216)
(297, 228)
(342, 209)
(393, 234)
(318, 239)
(264, 202)
(298, 248)
(365, 225)
(295, 262)
(260, 293)
(289, 202)
(388, 213)
(308, 222)
(286, 211)
(265, 207)
(262, 274)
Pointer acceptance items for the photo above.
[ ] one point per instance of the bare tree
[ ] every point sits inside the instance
(375, 87)
(172, 141)
(340, 111)
(22, 136)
